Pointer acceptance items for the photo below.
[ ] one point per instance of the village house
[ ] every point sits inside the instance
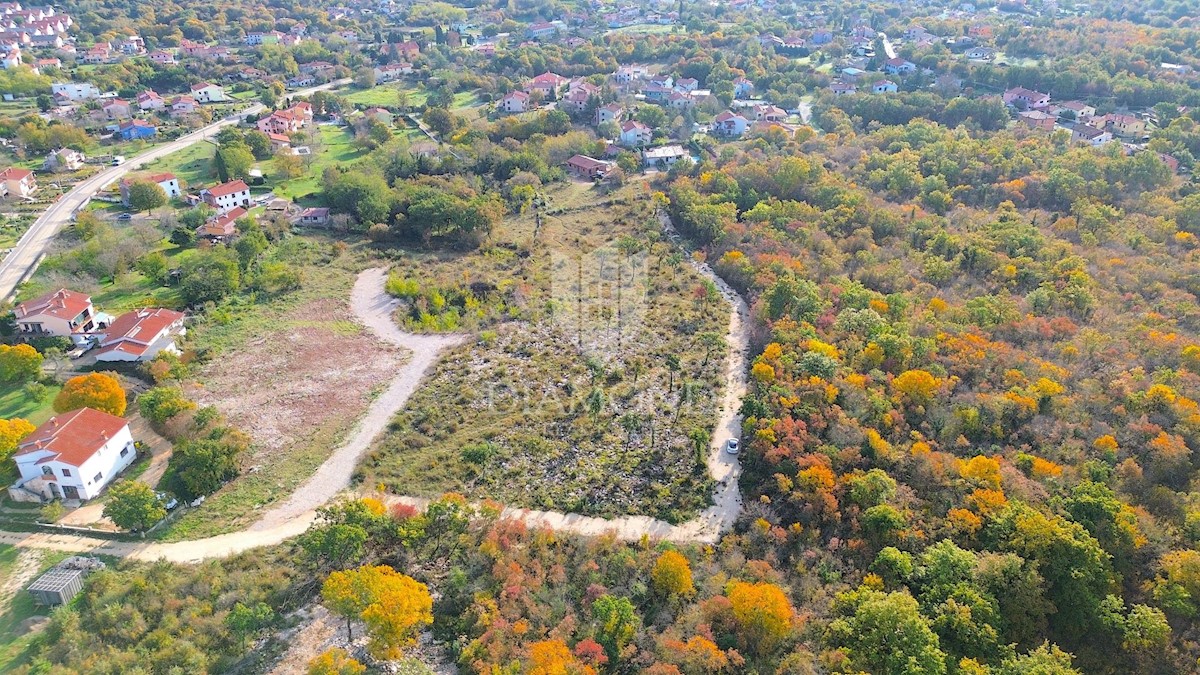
(280, 122)
(206, 92)
(64, 159)
(514, 102)
(980, 54)
(579, 95)
(742, 88)
(769, 113)
(72, 456)
(899, 66)
(222, 227)
(135, 129)
(141, 335)
(842, 88)
(381, 115)
(183, 105)
(663, 157)
(18, 183)
(167, 181)
(132, 45)
(609, 113)
(583, 166)
(680, 101)
(392, 71)
(117, 109)
(98, 54)
(1125, 126)
(1085, 133)
(629, 74)
(60, 313)
(279, 141)
(548, 84)
(1078, 109)
(634, 134)
(1027, 98)
(163, 58)
(257, 38)
(150, 100)
(544, 29)
(884, 87)
(227, 196)
(314, 216)
(408, 50)
(729, 125)
(1037, 119)
(75, 91)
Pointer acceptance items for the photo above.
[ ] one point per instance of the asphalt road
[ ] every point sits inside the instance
(20, 263)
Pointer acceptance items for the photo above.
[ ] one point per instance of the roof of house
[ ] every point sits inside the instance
(897, 62)
(135, 123)
(161, 177)
(14, 173)
(631, 125)
(132, 332)
(1036, 115)
(1075, 105)
(202, 85)
(232, 187)
(116, 101)
(728, 116)
(62, 303)
(222, 226)
(1089, 132)
(279, 138)
(315, 212)
(1026, 93)
(517, 94)
(588, 163)
(73, 437)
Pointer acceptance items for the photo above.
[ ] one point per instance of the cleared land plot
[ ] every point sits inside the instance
(295, 373)
(334, 146)
(388, 94)
(572, 405)
(193, 164)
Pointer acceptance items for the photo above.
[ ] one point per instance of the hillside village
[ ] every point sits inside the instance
(600, 336)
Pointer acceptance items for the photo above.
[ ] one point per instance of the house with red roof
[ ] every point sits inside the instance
(221, 228)
(588, 167)
(206, 92)
(548, 83)
(169, 183)
(72, 456)
(635, 134)
(150, 100)
(141, 335)
(514, 102)
(17, 182)
(60, 313)
(729, 125)
(227, 196)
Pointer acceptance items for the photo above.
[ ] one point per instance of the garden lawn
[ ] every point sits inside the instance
(14, 403)
(645, 29)
(385, 95)
(337, 147)
(192, 165)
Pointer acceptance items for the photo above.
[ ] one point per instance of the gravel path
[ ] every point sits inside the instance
(374, 308)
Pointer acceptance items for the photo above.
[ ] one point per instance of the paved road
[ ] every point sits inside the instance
(25, 256)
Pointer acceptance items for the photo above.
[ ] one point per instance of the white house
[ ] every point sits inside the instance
(884, 87)
(150, 100)
(141, 335)
(65, 159)
(208, 93)
(635, 134)
(227, 196)
(514, 102)
(1090, 135)
(72, 456)
(729, 125)
(75, 91)
(60, 313)
(167, 181)
(609, 113)
(392, 71)
(665, 156)
(899, 66)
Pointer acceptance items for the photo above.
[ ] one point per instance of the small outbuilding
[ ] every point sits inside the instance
(61, 583)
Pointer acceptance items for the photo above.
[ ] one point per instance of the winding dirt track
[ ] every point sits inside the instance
(374, 308)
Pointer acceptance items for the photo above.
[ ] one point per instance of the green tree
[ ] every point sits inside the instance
(244, 621)
(162, 403)
(259, 144)
(210, 277)
(146, 196)
(885, 633)
(153, 266)
(616, 623)
(132, 505)
(233, 162)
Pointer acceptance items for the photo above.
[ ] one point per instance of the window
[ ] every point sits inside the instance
(124, 451)
(67, 473)
(98, 477)
(47, 471)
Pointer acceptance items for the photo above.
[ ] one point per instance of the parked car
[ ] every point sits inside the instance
(118, 160)
(125, 216)
(168, 501)
(731, 446)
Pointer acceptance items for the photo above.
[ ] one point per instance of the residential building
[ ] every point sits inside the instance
(634, 134)
(1027, 98)
(1085, 133)
(75, 91)
(729, 125)
(629, 74)
(65, 159)
(206, 92)
(167, 181)
(1037, 119)
(548, 83)
(1080, 110)
(141, 335)
(150, 100)
(314, 216)
(899, 66)
(117, 109)
(408, 50)
(60, 313)
(583, 166)
(183, 105)
(280, 122)
(770, 113)
(842, 88)
(609, 113)
(884, 87)
(222, 227)
(74, 455)
(279, 141)
(227, 196)
(1125, 126)
(18, 183)
(980, 54)
(135, 129)
(663, 157)
(514, 102)
(742, 88)
(392, 71)
(161, 57)
(381, 115)
(544, 29)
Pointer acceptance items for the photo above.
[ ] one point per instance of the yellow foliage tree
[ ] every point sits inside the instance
(335, 661)
(672, 575)
(986, 502)
(1044, 468)
(917, 386)
(392, 605)
(99, 391)
(697, 656)
(1159, 396)
(981, 469)
(553, 657)
(763, 372)
(1105, 443)
(12, 432)
(964, 521)
(763, 613)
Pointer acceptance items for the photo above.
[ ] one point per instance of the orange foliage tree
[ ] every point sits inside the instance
(763, 613)
(553, 657)
(335, 661)
(99, 391)
(392, 605)
(917, 386)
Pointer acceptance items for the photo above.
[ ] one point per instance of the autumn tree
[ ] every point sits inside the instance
(763, 613)
(616, 624)
(19, 363)
(335, 661)
(393, 606)
(915, 386)
(12, 432)
(99, 391)
(672, 575)
(146, 195)
(132, 505)
(553, 657)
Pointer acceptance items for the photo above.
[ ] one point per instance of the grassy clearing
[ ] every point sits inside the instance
(15, 403)
(569, 404)
(386, 95)
(645, 29)
(193, 164)
(294, 372)
(336, 147)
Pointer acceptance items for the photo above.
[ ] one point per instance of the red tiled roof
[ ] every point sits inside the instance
(73, 436)
(586, 163)
(134, 331)
(222, 226)
(62, 303)
(232, 187)
(160, 177)
(13, 173)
